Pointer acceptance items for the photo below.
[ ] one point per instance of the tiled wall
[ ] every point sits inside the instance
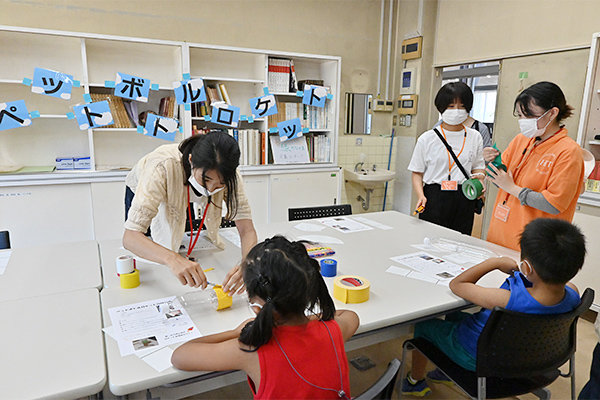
(376, 149)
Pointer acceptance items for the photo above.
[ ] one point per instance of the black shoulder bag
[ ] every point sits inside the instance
(479, 203)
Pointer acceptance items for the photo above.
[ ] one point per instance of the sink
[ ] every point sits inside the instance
(368, 178)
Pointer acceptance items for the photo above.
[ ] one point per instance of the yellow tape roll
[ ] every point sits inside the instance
(130, 281)
(351, 289)
(223, 299)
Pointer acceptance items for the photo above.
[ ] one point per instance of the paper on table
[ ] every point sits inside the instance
(344, 224)
(430, 265)
(151, 324)
(421, 277)
(397, 270)
(465, 258)
(4, 258)
(160, 360)
(306, 227)
(323, 239)
(372, 223)
(232, 235)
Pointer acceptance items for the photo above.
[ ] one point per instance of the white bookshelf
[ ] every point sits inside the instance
(589, 122)
(93, 59)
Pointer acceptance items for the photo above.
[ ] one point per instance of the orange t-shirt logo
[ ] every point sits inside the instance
(545, 163)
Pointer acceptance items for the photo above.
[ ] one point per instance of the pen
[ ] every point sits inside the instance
(419, 210)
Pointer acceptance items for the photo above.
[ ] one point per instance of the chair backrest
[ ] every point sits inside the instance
(4, 240)
(383, 388)
(318, 212)
(514, 344)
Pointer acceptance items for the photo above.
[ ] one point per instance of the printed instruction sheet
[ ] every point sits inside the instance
(431, 266)
(155, 323)
(344, 224)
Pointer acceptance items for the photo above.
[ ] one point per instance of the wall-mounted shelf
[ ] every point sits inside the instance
(93, 59)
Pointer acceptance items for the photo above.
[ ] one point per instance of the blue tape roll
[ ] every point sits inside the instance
(328, 267)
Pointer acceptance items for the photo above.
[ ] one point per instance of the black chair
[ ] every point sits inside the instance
(295, 214)
(383, 388)
(517, 353)
(4, 240)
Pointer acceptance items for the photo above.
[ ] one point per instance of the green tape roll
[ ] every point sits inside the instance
(497, 162)
(472, 188)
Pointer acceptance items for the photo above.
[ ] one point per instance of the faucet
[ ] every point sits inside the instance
(356, 168)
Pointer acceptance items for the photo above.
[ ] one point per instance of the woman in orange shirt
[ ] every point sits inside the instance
(545, 166)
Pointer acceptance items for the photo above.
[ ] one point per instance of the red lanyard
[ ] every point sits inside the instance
(191, 245)
(450, 165)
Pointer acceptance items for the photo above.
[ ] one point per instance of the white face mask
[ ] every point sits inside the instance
(255, 305)
(454, 116)
(521, 269)
(201, 189)
(529, 127)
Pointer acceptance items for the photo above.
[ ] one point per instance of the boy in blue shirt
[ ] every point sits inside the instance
(552, 252)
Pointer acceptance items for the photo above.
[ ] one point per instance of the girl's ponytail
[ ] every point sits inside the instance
(259, 331)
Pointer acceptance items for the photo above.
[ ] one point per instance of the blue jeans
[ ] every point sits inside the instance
(129, 195)
(591, 390)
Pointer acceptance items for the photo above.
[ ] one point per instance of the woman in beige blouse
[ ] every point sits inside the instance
(201, 169)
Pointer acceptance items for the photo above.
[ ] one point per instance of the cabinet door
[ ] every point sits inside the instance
(257, 191)
(46, 214)
(588, 275)
(108, 205)
(301, 190)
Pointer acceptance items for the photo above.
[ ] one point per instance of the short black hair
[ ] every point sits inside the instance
(451, 92)
(554, 248)
(545, 95)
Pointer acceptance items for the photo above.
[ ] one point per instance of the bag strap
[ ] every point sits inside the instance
(462, 169)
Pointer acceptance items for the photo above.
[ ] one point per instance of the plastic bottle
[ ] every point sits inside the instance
(212, 298)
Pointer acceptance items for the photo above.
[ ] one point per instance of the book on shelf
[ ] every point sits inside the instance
(224, 94)
(319, 148)
(281, 75)
(167, 107)
(317, 82)
(311, 117)
(213, 95)
(293, 81)
(117, 109)
(132, 111)
(252, 145)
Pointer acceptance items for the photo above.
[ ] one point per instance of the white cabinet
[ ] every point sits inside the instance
(108, 207)
(302, 190)
(46, 214)
(257, 191)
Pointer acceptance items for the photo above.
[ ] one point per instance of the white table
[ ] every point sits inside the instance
(395, 300)
(48, 269)
(52, 346)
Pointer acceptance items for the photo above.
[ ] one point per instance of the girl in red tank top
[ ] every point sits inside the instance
(285, 353)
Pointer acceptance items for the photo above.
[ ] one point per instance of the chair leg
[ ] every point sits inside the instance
(405, 349)
(543, 393)
(572, 372)
(480, 388)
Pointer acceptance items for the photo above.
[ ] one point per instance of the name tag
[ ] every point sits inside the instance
(501, 212)
(450, 185)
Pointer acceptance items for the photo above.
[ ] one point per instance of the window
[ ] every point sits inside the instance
(482, 78)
